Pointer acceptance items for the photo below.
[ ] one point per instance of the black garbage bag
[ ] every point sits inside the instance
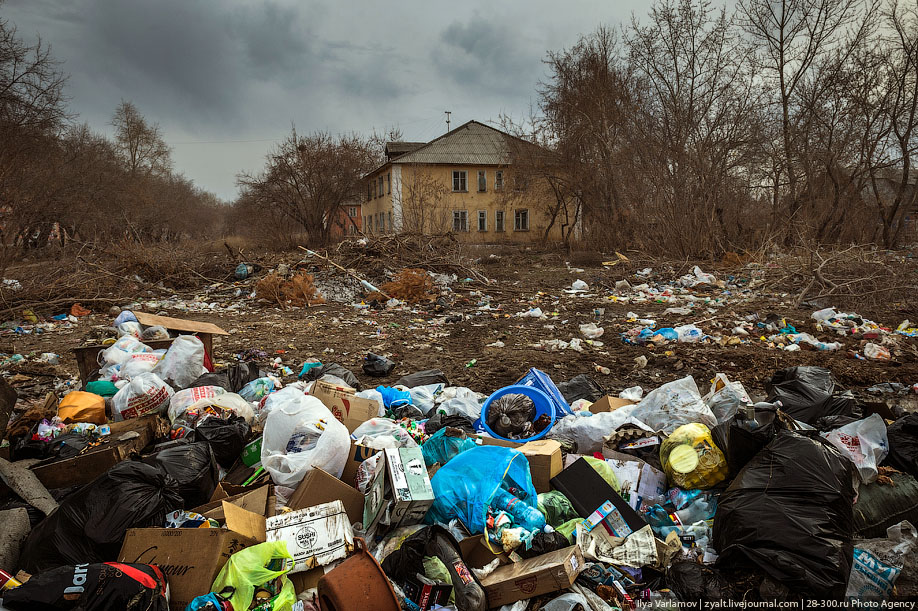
(581, 387)
(789, 512)
(231, 379)
(691, 581)
(226, 437)
(194, 467)
(511, 416)
(92, 587)
(423, 378)
(89, 526)
(739, 445)
(809, 393)
(903, 444)
(333, 369)
(217, 378)
(542, 543)
(377, 366)
(65, 446)
(440, 420)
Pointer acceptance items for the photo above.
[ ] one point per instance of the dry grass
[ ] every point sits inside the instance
(413, 285)
(299, 291)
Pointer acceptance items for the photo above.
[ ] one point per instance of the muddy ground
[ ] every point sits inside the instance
(453, 335)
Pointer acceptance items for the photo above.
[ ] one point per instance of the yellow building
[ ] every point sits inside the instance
(461, 182)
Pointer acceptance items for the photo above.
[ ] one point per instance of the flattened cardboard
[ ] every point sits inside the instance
(191, 558)
(608, 404)
(342, 401)
(259, 500)
(177, 324)
(245, 521)
(319, 487)
(543, 574)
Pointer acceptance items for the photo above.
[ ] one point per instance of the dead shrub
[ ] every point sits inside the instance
(299, 291)
(411, 284)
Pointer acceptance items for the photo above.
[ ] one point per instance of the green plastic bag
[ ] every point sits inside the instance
(569, 529)
(248, 569)
(556, 508)
(603, 468)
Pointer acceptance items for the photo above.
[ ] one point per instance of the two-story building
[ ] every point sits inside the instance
(462, 182)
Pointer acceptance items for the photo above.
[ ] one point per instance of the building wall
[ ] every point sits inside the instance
(348, 220)
(422, 198)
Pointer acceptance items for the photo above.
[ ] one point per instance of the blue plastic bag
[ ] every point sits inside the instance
(464, 487)
(440, 448)
(393, 397)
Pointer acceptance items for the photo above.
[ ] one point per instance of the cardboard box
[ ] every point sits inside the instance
(410, 485)
(259, 500)
(319, 487)
(608, 404)
(315, 536)
(543, 574)
(191, 558)
(587, 491)
(358, 453)
(544, 456)
(344, 404)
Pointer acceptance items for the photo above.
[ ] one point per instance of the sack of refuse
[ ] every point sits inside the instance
(119, 352)
(226, 436)
(670, 406)
(146, 394)
(183, 361)
(809, 393)
(92, 587)
(302, 434)
(512, 416)
(90, 524)
(445, 444)
(183, 399)
(382, 433)
(138, 363)
(789, 512)
(690, 458)
(878, 564)
(194, 467)
(864, 442)
(726, 398)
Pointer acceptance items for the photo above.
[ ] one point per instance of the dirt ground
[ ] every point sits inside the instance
(453, 334)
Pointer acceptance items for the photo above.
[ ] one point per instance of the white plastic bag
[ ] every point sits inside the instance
(183, 362)
(424, 397)
(141, 362)
(119, 352)
(130, 328)
(300, 435)
(145, 394)
(726, 398)
(220, 406)
(154, 333)
(382, 433)
(591, 330)
(864, 442)
(689, 334)
(672, 405)
(183, 399)
(587, 431)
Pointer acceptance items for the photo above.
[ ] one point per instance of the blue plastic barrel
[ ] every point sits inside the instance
(543, 405)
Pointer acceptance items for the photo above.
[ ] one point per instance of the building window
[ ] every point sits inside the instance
(390, 220)
(352, 229)
(380, 194)
(460, 220)
(482, 220)
(499, 220)
(459, 180)
(369, 190)
(498, 180)
(352, 212)
(521, 220)
(388, 183)
(482, 181)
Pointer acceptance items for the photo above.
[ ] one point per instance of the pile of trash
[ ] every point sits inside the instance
(164, 482)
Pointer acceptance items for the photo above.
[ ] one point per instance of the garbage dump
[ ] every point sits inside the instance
(178, 474)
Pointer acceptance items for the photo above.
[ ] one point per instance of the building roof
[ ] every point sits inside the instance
(472, 143)
(394, 149)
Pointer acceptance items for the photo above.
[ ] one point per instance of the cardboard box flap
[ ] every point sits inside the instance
(259, 500)
(245, 522)
(319, 487)
(542, 574)
(178, 324)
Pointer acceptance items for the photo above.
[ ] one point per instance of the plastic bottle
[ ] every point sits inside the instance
(748, 421)
(523, 515)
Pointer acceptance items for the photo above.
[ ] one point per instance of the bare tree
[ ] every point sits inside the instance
(140, 144)
(423, 202)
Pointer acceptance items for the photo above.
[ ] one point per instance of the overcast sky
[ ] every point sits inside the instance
(226, 78)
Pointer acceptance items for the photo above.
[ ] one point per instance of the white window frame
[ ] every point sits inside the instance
(352, 212)
(460, 181)
(482, 181)
(482, 220)
(500, 221)
(498, 180)
(460, 221)
(516, 219)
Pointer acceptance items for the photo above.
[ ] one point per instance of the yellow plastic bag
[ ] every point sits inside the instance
(79, 406)
(254, 567)
(690, 458)
(604, 470)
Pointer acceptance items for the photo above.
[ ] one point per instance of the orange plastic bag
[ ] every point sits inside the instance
(80, 406)
(78, 310)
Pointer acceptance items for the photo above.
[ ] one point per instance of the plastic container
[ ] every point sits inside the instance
(543, 405)
(540, 380)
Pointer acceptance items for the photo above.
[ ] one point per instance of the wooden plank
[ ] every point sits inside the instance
(86, 467)
(178, 324)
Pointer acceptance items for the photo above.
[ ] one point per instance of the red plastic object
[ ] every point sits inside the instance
(357, 584)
